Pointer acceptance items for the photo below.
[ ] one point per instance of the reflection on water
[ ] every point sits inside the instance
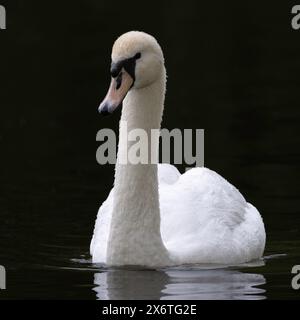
(178, 284)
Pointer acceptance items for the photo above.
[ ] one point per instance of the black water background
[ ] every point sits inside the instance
(233, 69)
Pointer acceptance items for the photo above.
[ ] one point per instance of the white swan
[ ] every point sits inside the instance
(154, 216)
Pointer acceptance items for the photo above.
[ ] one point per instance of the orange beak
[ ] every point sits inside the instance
(117, 91)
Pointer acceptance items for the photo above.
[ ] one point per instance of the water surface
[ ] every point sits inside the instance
(46, 254)
(236, 76)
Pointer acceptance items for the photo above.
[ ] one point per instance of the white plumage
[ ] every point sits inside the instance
(204, 219)
(154, 216)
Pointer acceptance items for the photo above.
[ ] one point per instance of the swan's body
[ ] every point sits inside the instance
(154, 216)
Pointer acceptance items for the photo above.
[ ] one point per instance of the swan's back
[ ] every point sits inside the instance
(206, 219)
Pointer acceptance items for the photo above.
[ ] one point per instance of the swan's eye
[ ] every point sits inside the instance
(137, 56)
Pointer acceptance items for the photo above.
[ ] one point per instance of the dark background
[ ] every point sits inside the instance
(233, 69)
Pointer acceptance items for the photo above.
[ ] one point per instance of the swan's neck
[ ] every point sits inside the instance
(135, 237)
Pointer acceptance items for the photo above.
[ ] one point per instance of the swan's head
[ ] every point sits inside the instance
(137, 62)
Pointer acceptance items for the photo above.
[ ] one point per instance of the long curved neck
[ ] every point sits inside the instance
(135, 237)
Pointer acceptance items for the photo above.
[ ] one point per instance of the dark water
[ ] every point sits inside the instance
(236, 75)
(47, 233)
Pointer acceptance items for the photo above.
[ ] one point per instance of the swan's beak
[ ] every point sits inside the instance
(117, 91)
